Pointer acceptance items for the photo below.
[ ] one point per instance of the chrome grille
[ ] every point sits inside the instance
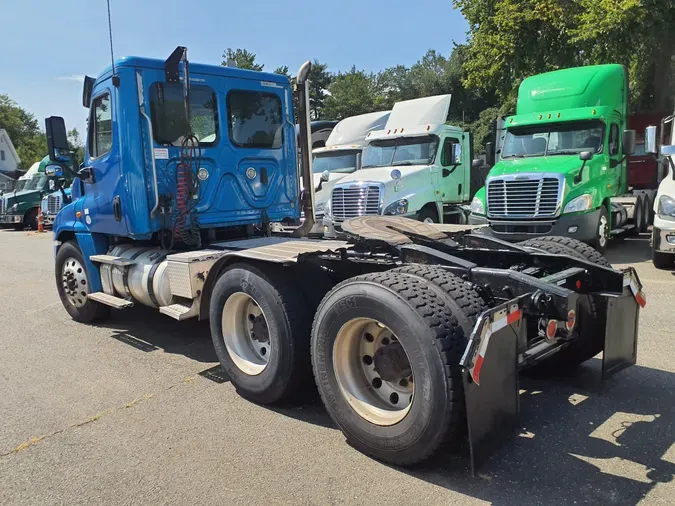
(53, 204)
(355, 200)
(534, 197)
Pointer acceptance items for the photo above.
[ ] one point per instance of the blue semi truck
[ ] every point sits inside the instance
(412, 330)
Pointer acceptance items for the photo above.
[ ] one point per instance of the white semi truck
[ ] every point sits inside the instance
(663, 233)
(417, 166)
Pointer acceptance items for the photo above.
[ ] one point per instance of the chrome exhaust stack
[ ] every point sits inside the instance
(307, 193)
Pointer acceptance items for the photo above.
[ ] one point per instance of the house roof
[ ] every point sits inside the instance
(4, 133)
(4, 176)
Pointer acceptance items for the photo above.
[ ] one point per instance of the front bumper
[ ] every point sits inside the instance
(7, 219)
(663, 239)
(579, 226)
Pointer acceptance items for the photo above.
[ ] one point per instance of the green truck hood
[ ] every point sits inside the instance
(25, 199)
(558, 164)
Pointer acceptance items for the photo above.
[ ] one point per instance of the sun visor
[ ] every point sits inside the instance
(355, 129)
(410, 114)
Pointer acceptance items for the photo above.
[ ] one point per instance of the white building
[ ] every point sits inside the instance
(9, 159)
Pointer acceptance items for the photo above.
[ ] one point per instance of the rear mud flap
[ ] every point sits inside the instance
(621, 326)
(490, 376)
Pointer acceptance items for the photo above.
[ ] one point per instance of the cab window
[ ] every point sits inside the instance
(255, 119)
(447, 158)
(100, 135)
(614, 140)
(167, 108)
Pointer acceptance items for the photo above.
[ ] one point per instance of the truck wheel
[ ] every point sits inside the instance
(583, 250)
(260, 330)
(385, 352)
(73, 286)
(30, 220)
(590, 342)
(428, 215)
(639, 220)
(662, 260)
(602, 231)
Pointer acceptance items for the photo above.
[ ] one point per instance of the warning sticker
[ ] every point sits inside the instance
(270, 84)
(161, 153)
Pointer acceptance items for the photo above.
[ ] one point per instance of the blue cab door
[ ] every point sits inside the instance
(104, 200)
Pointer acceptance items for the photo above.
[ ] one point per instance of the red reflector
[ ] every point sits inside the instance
(551, 328)
(578, 285)
(571, 319)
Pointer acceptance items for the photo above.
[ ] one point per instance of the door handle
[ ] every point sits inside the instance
(117, 208)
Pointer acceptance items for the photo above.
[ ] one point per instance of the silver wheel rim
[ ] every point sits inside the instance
(602, 232)
(74, 281)
(246, 334)
(428, 220)
(381, 402)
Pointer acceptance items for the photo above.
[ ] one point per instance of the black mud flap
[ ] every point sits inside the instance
(490, 375)
(621, 326)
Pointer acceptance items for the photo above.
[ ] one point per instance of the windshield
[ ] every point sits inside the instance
(401, 151)
(20, 184)
(335, 161)
(639, 149)
(38, 182)
(554, 139)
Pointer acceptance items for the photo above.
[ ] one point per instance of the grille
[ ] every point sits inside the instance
(530, 198)
(53, 204)
(3, 204)
(350, 202)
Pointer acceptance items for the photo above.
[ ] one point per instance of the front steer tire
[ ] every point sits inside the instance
(433, 338)
(288, 326)
(86, 311)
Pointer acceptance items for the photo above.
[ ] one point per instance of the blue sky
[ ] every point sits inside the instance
(48, 45)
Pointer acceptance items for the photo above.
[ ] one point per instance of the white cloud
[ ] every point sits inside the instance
(75, 78)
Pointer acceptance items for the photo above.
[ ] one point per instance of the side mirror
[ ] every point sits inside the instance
(650, 141)
(628, 142)
(54, 171)
(57, 137)
(489, 154)
(325, 176)
(87, 89)
(455, 154)
(668, 150)
(586, 156)
(477, 163)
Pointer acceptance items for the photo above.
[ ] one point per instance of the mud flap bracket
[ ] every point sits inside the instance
(490, 377)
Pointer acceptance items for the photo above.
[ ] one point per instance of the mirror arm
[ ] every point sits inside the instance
(577, 178)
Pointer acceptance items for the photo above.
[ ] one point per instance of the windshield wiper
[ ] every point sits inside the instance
(564, 152)
(401, 163)
(369, 166)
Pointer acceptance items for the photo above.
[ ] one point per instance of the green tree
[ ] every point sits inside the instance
(283, 70)
(24, 131)
(319, 82)
(513, 39)
(243, 59)
(76, 144)
(351, 93)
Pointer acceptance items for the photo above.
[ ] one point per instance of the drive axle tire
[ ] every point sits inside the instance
(385, 352)
(260, 330)
(584, 250)
(73, 285)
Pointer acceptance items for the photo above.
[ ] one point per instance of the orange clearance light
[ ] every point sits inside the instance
(395, 130)
(578, 285)
(428, 127)
(401, 130)
(369, 134)
(558, 114)
(78, 214)
(540, 116)
(388, 132)
(593, 112)
(549, 116)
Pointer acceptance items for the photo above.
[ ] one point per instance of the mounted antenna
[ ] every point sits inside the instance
(115, 77)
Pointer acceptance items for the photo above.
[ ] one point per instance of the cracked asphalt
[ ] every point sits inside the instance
(134, 411)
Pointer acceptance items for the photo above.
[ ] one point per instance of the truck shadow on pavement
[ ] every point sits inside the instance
(631, 250)
(148, 331)
(580, 443)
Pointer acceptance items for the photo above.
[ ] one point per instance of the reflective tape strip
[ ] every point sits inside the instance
(639, 295)
(503, 319)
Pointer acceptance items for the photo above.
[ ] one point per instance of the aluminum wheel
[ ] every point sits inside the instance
(603, 231)
(373, 371)
(429, 220)
(246, 334)
(75, 283)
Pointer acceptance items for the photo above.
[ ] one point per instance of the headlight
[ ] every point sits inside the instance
(15, 207)
(398, 207)
(581, 203)
(666, 206)
(477, 206)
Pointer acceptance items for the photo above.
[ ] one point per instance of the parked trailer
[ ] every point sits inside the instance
(413, 331)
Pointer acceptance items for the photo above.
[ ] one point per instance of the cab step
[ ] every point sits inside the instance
(112, 260)
(622, 230)
(181, 310)
(110, 300)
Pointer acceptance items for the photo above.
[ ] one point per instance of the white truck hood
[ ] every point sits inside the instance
(380, 174)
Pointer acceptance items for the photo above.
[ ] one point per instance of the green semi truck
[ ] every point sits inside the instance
(561, 166)
(19, 208)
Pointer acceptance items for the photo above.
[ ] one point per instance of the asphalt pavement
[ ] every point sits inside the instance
(135, 411)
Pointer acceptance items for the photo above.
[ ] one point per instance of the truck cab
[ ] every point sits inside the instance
(19, 208)
(562, 166)
(663, 232)
(417, 167)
